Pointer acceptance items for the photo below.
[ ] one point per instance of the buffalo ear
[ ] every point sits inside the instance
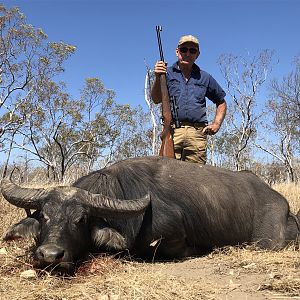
(109, 238)
(26, 228)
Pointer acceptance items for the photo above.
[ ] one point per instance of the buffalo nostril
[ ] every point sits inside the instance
(50, 253)
(60, 255)
(39, 253)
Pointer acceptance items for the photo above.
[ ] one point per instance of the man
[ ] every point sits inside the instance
(190, 85)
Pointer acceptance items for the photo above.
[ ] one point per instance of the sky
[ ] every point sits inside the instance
(115, 39)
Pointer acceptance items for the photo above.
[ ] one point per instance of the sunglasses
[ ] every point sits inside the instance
(186, 49)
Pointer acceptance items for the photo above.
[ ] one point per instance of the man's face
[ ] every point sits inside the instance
(187, 53)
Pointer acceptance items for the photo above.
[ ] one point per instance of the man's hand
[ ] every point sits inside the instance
(160, 68)
(211, 129)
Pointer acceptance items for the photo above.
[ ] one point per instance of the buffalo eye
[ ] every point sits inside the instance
(81, 221)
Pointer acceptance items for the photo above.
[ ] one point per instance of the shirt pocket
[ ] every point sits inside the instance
(174, 87)
(199, 91)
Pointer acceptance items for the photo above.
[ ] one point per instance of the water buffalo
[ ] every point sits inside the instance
(151, 206)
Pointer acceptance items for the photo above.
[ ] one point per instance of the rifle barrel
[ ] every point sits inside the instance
(158, 30)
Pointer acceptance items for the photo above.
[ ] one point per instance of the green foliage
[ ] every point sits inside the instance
(27, 62)
(38, 116)
(61, 131)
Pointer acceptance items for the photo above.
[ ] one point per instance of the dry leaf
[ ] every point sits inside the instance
(3, 251)
(28, 274)
(252, 265)
(154, 243)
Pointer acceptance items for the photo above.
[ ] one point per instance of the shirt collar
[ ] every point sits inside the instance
(195, 68)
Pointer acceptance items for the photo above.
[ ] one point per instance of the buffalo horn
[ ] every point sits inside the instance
(111, 207)
(28, 198)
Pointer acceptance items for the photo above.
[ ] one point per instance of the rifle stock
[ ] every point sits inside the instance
(167, 143)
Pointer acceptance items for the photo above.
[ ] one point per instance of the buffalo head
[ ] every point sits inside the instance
(68, 221)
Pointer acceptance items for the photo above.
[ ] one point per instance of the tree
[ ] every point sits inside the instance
(283, 108)
(136, 136)
(47, 132)
(62, 132)
(244, 77)
(27, 60)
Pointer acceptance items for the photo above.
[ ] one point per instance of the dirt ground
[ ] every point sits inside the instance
(223, 280)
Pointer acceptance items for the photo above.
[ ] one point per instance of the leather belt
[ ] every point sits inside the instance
(201, 124)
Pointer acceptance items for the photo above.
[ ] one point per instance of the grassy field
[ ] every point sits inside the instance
(227, 273)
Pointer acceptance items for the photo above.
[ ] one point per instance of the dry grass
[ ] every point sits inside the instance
(292, 193)
(229, 273)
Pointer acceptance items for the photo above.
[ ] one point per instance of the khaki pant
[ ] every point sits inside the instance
(190, 143)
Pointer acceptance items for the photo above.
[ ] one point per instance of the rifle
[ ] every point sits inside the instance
(167, 144)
